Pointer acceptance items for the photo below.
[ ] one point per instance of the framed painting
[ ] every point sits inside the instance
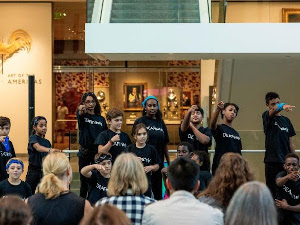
(290, 15)
(134, 95)
(186, 99)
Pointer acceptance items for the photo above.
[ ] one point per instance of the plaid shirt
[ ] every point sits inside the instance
(132, 205)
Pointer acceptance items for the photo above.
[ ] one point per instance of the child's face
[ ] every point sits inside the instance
(291, 164)
(41, 128)
(89, 103)
(141, 136)
(15, 170)
(116, 123)
(4, 130)
(151, 107)
(182, 151)
(196, 117)
(107, 165)
(272, 103)
(229, 113)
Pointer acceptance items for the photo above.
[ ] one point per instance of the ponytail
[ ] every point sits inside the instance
(51, 186)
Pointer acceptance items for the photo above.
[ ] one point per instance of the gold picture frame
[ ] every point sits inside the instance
(290, 15)
(134, 95)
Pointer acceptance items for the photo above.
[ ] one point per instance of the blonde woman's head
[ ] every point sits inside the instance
(56, 167)
(127, 173)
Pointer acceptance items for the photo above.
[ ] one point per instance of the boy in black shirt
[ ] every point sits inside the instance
(279, 132)
(99, 174)
(288, 199)
(191, 130)
(227, 139)
(14, 185)
(7, 150)
(113, 140)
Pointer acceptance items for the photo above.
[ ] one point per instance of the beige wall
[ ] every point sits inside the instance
(253, 12)
(36, 20)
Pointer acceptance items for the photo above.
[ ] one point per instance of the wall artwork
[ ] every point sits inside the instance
(290, 15)
(134, 95)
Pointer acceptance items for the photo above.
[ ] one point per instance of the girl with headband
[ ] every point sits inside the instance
(38, 148)
(157, 137)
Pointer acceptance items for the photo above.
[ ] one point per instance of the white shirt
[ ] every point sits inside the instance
(181, 208)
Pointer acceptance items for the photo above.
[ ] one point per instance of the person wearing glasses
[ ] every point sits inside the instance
(90, 125)
(98, 174)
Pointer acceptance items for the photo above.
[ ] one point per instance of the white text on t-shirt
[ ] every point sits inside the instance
(87, 120)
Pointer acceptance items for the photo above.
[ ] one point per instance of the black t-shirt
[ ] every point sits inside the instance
(227, 140)
(118, 147)
(278, 130)
(148, 155)
(190, 137)
(36, 157)
(90, 126)
(290, 191)
(22, 190)
(4, 157)
(98, 187)
(157, 134)
(67, 209)
(204, 178)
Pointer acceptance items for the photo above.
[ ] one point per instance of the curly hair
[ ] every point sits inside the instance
(233, 171)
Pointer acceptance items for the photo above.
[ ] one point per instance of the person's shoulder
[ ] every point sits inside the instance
(104, 200)
(3, 183)
(281, 174)
(265, 113)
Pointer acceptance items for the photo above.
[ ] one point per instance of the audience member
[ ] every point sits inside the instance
(13, 211)
(126, 187)
(13, 185)
(288, 193)
(54, 204)
(252, 204)
(233, 171)
(106, 215)
(182, 207)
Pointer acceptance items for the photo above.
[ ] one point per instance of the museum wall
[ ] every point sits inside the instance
(253, 12)
(30, 25)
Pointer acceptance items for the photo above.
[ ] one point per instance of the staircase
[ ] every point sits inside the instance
(155, 11)
(89, 10)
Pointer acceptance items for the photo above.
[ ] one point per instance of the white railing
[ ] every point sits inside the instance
(97, 10)
(205, 11)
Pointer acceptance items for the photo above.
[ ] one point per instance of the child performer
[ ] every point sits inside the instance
(191, 130)
(227, 139)
(99, 174)
(146, 153)
(90, 125)
(288, 184)
(14, 185)
(113, 140)
(7, 150)
(279, 133)
(38, 148)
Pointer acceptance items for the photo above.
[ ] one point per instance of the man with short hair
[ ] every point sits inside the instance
(182, 207)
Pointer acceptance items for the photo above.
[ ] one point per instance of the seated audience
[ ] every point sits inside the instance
(233, 171)
(54, 204)
(106, 215)
(288, 194)
(126, 187)
(13, 211)
(251, 204)
(182, 207)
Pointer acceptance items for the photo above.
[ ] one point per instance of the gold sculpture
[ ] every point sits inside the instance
(19, 40)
